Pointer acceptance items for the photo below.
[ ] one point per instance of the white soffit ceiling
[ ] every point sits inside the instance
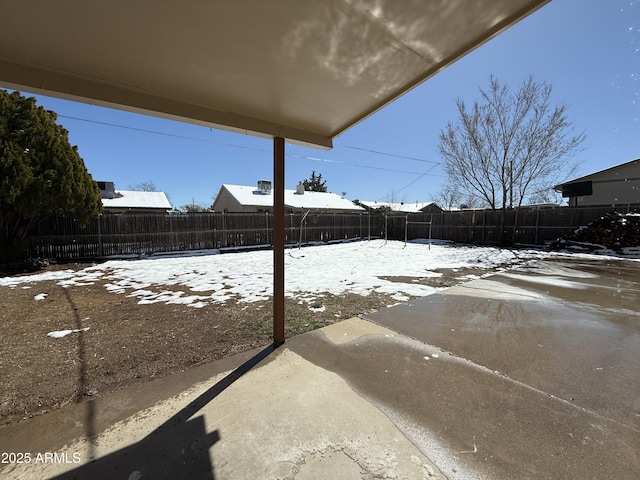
(305, 70)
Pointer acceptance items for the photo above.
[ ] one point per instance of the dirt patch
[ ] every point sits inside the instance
(444, 277)
(126, 343)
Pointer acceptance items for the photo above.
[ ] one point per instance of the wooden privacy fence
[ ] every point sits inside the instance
(128, 234)
(150, 233)
(531, 226)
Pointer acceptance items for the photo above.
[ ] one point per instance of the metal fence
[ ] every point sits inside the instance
(125, 234)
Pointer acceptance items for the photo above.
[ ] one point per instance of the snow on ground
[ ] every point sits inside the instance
(64, 333)
(356, 267)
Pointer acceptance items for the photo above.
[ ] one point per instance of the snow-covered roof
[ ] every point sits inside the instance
(414, 207)
(134, 199)
(251, 196)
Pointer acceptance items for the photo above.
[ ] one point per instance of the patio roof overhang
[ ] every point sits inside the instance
(303, 71)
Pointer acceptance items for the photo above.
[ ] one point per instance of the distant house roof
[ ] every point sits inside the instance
(415, 207)
(619, 184)
(610, 173)
(130, 200)
(251, 196)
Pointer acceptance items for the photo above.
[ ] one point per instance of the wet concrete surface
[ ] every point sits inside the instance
(538, 370)
(474, 423)
(533, 373)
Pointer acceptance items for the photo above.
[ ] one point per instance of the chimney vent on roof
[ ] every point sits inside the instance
(264, 187)
(107, 189)
(300, 189)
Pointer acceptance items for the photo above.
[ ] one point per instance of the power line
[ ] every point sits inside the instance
(233, 145)
(154, 132)
(327, 160)
(400, 137)
(390, 154)
(410, 183)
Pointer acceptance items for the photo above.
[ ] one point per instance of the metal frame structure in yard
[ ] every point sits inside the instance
(406, 228)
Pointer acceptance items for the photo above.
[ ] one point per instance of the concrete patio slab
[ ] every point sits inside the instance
(528, 374)
(539, 365)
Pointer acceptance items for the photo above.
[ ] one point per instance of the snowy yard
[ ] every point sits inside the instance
(361, 268)
(84, 329)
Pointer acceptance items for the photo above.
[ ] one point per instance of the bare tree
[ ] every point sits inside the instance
(450, 197)
(546, 195)
(195, 208)
(394, 197)
(147, 186)
(509, 145)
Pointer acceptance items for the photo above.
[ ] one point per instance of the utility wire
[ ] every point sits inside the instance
(326, 160)
(215, 142)
(390, 154)
(410, 183)
(317, 159)
(172, 135)
(400, 137)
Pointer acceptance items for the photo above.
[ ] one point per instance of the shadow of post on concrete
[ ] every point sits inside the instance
(177, 449)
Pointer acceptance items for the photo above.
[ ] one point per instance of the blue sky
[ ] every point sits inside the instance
(588, 50)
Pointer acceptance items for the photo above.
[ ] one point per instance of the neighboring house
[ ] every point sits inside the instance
(126, 201)
(240, 198)
(619, 184)
(402, 207)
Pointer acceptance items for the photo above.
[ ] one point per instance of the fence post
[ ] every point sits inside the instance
(100, 248)
(484, 224)
(406, 228)
(303, 223)
(472, 224)
(266, 216)
(224, 234)
(385, 226)
(174, 240)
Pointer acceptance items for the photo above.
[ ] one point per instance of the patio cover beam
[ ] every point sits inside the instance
(278, 240)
